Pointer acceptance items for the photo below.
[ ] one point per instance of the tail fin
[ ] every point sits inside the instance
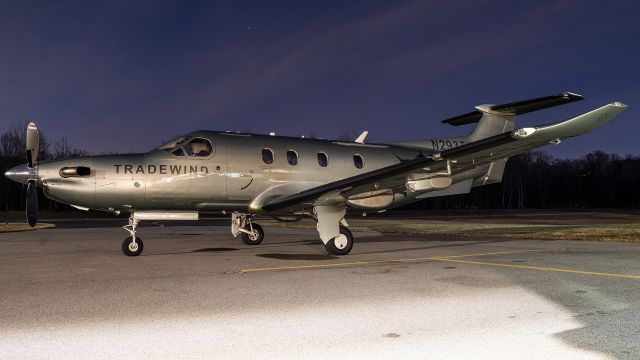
(496, 119)
(491, 123)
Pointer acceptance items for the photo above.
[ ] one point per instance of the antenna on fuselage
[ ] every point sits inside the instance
(362, 136)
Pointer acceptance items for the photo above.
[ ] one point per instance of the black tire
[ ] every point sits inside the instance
(132, 252)
(335, 250)
(253, 240)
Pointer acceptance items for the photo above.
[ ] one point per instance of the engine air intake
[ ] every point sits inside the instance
(75, 171)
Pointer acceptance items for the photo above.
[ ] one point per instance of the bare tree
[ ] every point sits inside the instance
(63, 150)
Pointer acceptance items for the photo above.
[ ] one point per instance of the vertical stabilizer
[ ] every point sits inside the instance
(492, 123)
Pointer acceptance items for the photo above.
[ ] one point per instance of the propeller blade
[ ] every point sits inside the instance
(33, 144)
(32, 203)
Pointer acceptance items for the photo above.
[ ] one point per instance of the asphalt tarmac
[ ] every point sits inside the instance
(196, 292)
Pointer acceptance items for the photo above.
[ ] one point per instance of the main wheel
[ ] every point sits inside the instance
(130, 248)
(255, 237)
(341, 244)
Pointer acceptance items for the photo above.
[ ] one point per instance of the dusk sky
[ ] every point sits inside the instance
(125, 75)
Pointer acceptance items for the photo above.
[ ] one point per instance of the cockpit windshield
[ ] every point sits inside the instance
(173, 143)
(189, 146)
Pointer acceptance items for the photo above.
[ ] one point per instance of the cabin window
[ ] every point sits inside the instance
(358, 161)
(292, 157)
(267, 156)
(322, 159)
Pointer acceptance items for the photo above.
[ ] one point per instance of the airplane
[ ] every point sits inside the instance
(251, 174)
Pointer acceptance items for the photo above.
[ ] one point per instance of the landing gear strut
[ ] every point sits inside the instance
(251, 234)
(132, 245)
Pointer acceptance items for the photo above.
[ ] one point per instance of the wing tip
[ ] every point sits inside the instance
(619, 104)
(573, 96)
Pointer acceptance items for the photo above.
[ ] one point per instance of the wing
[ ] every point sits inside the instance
(463, 158)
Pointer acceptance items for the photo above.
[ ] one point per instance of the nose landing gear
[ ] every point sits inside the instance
(132, 245)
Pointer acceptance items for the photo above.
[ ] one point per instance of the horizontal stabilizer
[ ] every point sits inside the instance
(514, 108)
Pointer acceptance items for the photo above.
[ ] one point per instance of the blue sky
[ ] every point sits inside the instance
(126, 75)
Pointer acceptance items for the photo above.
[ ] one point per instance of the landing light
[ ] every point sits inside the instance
(524, 132)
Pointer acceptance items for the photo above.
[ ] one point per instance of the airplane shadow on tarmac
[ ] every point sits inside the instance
(322, 256)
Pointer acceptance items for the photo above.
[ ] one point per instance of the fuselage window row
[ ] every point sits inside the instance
(292, 158)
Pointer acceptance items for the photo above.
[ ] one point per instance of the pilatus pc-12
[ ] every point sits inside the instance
(249, 174)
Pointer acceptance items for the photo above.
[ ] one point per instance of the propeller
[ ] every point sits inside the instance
(33, 144)
(32, 202)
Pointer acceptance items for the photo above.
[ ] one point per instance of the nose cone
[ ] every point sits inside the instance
(21, 173)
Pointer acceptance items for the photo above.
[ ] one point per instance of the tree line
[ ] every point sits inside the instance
(534, 180)
(537, 180)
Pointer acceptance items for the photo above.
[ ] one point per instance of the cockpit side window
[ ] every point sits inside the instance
(198, 147)
(189, 146)
(170, 146)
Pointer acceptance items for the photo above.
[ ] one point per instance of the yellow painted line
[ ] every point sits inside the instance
(369, 262)
(484, 254)
(582, 272)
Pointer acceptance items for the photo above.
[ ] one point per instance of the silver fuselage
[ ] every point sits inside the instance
(228, 179)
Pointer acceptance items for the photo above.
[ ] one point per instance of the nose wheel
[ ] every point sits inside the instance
(132, 248)
(341, 244)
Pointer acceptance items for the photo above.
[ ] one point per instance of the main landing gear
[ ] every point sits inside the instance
(341, 244)
(251, 234)
(132, 245)
(332, 227)
(335, 235)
